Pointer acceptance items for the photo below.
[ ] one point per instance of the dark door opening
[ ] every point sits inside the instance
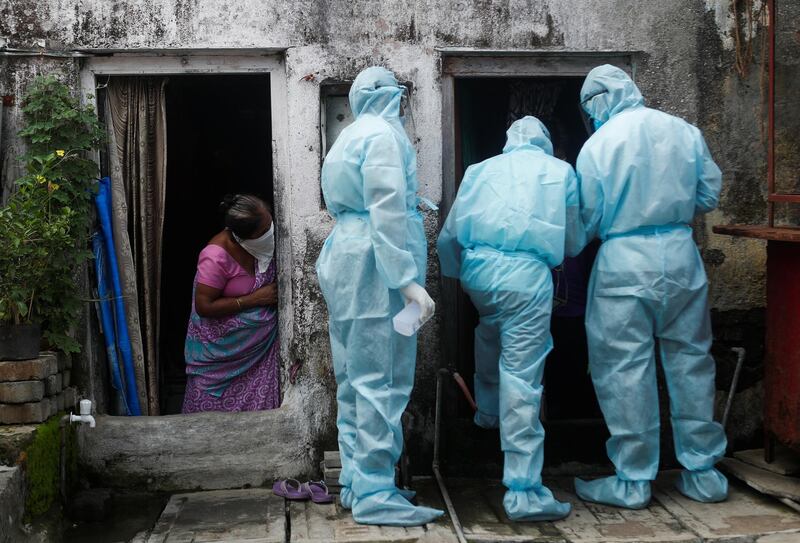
(484, 108)
(219, 139)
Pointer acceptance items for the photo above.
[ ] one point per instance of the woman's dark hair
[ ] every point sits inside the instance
(242, 213)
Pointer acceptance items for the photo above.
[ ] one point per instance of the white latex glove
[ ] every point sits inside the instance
(415, 293)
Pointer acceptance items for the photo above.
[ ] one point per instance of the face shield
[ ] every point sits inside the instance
(589, 123)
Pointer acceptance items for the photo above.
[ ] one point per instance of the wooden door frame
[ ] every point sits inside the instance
(99, 64)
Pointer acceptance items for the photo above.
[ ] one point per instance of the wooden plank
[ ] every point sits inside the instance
(766, 482)
(786, 462)
(168, 62)
(531, 64)
(775, 233)
(744, 516)
(792, 198)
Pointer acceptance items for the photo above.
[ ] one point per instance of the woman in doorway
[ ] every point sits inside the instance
(232, 359)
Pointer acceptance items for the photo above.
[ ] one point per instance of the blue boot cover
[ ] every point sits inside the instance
(389, 508)
(615, 491)
(706, 486)
(534, 504)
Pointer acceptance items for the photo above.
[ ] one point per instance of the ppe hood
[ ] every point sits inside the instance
(376, 91)
(607, 91)
(528, 132)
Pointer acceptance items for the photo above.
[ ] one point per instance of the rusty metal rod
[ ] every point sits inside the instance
(771, 117)
(437, 430)
(465, 389)
(740, 352)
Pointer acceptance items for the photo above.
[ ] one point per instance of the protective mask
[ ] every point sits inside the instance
(597, 124)
(261, 248)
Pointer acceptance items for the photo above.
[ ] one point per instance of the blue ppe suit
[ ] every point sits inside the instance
(505, 231)
(643, 176)
(377, 246)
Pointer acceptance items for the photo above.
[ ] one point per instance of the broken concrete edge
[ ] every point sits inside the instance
(12, 501)
(34, 450)
(14, 440)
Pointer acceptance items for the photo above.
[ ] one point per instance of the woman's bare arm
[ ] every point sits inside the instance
(210, 303)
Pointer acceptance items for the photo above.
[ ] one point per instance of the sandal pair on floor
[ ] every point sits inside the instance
(292, 489)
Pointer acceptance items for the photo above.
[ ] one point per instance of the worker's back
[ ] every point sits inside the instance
(643, 175)
(647, 165)
(510, 207)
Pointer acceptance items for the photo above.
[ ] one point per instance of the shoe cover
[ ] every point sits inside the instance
(614, 491)
(706, 486)
(534, 504)
(389, 508)
(346, 496)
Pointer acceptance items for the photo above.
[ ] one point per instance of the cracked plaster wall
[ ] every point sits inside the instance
(685, 68)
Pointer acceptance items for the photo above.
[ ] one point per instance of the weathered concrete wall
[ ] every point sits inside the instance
(685, 67)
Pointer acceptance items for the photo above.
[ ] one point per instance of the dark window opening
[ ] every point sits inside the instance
(218, 142)
(484, 109)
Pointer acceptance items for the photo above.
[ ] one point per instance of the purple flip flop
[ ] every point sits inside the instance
(317, 491)
(291, 489)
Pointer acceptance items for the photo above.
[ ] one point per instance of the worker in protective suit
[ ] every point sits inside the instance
(643, 176)
(372, 263)
(505, 231)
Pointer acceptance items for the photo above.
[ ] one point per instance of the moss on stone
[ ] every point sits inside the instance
(41, 464)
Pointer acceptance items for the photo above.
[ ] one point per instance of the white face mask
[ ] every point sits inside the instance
(261, 248)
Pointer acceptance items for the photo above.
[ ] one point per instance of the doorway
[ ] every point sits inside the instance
(483, 108)
(218, 142)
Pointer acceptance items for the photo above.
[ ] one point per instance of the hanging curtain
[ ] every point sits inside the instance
(136, 107)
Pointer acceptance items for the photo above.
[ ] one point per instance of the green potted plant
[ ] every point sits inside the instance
(33, 229)
(44, 227)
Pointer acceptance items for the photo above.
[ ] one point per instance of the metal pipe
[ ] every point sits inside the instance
(62, 459)
(437, 426)
(791, 503)
(771, 116)
(734, 383)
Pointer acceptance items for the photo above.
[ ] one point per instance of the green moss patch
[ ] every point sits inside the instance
(41, 464)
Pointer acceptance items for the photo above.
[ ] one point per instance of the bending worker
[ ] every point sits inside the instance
(643, 176)
(373, 262)
(504, 233)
